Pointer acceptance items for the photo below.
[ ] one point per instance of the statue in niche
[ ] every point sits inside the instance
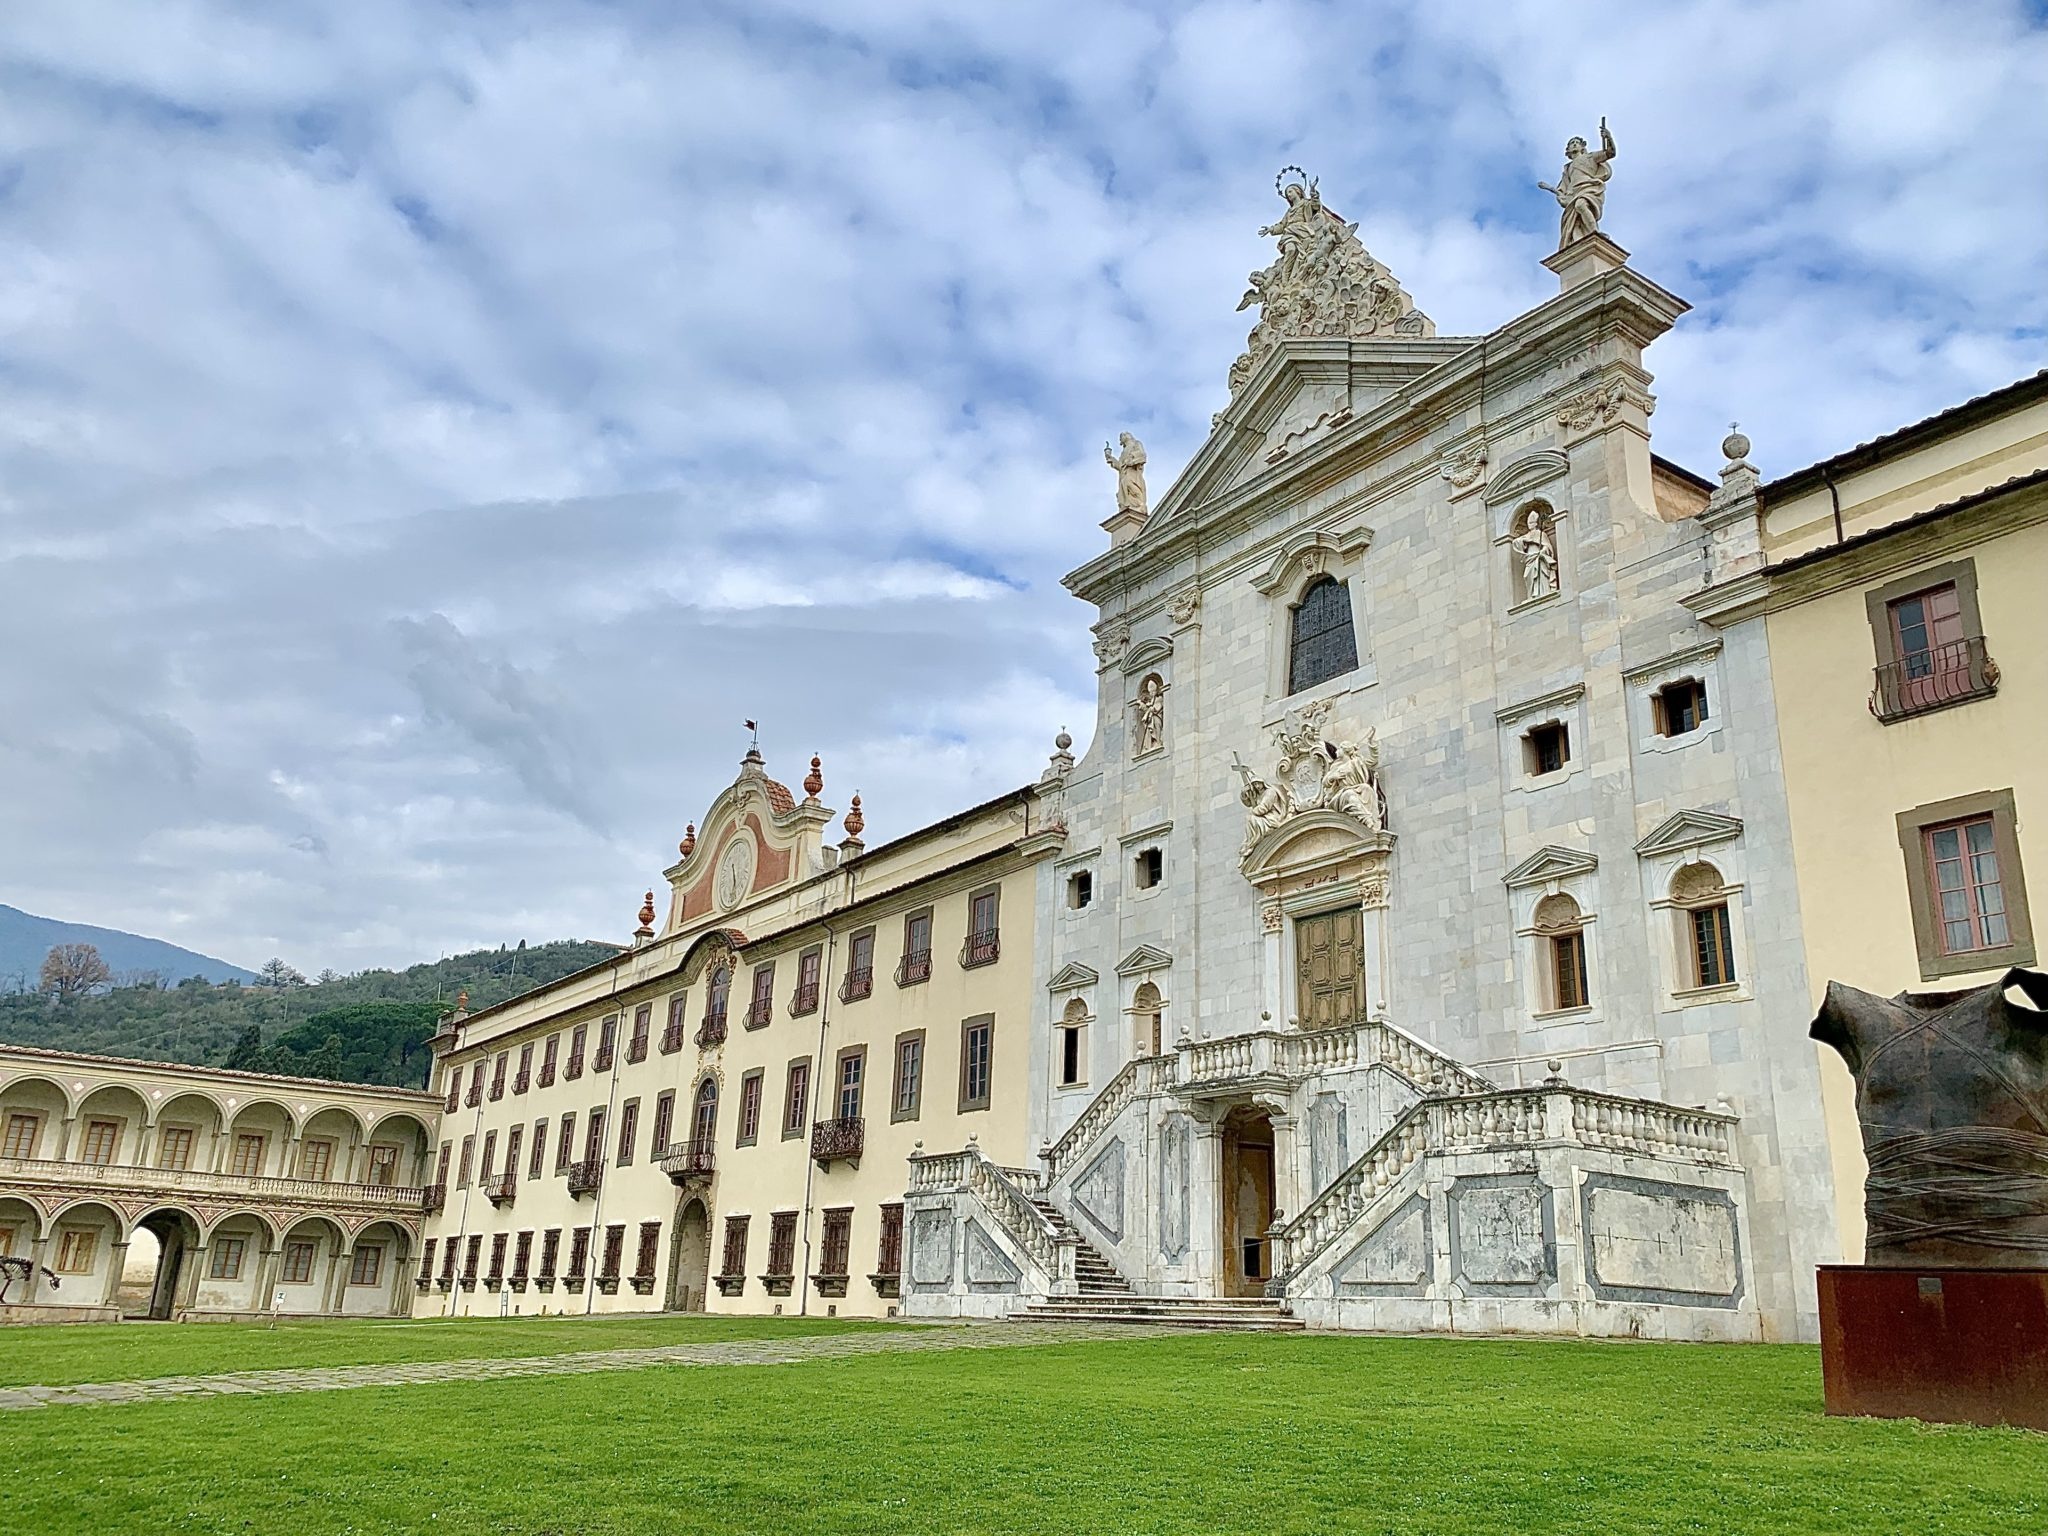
(1581, 189)
(1536, 547)
(1150, 705)
(1129, 464)
(1952, 1097)
(1349, 786)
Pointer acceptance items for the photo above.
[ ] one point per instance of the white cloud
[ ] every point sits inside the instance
(431, 428)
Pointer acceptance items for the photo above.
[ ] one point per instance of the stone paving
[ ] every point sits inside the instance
(791, 1351)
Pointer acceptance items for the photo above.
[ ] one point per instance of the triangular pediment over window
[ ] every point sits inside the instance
(1073, 974)
(1145, 957)
(1689, 829)
(1550, 863)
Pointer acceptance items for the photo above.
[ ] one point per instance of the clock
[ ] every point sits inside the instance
(735, 874)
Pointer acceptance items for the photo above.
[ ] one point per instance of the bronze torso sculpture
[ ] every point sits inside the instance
(1952, 1094)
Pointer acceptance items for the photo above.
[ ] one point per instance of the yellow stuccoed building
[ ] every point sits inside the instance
(721, 1117)
(1901, 584)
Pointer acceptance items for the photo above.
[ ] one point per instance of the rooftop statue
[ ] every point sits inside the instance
(1952, 1096)
(1129, 464)
(1321, 282)
(1581, 189)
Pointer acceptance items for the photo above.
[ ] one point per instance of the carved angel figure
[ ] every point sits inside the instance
(1349, 787)
(1581, 189)
(1268, 805)
(1129, 464)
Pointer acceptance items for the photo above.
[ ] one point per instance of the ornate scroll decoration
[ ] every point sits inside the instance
(1314, 774)
(1600, 404)
(1111, 637)
(1323, 282)
(1184, 604)
(1463, 472)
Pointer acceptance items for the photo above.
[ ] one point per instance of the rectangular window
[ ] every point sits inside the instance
(1151, 868)
(1568, 970)
(664, 1123)
(614, 1250)
(629, 1131)
(78, 1246)
(454, 1088)
(1680, 707)
(579, 1253)
(298, 1263)
(174, 1147)
(782, 1243)
(565, 1149)
(916, 964)
(383, 1165)
(977, 1053)
(1073, 1064)
(1080, 889)
(476, 1086)
(852, 1068)
(248, 1155)
(472, 1252)
(522, 1258)
(907, 1091)
(102, 1138)
(550, 1048)
(735, 1260)
(889, 1252)
(490, 1154)
(643, 1026)
(1930, 652)
(650, 1250)
(1547, 748)
(607, 1043)
(672, 1031)
(226, 1263)
(593, 1135)
(838, 1241)
(523, 1078)
(427, 1259)
(367, 1266)
(860, 967)
(983, 943)
(316, 1160)
(550, 1252)
(796, 1096)
(573, 1067)
(761, 1003)
(1713, 954)
(1969, 894)
(537, 1159)
(441, 1174)
(496, 1275)
(808, 965)
(448, 1263)
(21, 1134)
(750, 1109)
(513, 1138)
(498, 1075)
(463, 1168)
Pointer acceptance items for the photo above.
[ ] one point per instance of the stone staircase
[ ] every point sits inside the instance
(1248, 1314)
(1094, 1274)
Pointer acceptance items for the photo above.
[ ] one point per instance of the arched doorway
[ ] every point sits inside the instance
(1248, 1200)
(689, 1270)
(155, 1295)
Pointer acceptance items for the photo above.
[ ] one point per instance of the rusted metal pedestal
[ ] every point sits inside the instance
(1952, 1346)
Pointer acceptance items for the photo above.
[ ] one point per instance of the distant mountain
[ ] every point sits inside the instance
(26, 938)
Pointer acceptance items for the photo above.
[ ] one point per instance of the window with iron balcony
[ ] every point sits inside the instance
(454, 1089)
(475, 1096)
(982, 946)
(1930, 653)
(585, 1176)
(673, 1031)
(805, 999)
(607, 1041)
(837, 1140)
(573, 1068)
(860, 968)
(761, 1006)
(643, 1030)
(716, 997)
(523, 1078)
(503, 1188)
(547, 1061)
(916, 964)
(498, 1076)
(434, 1196)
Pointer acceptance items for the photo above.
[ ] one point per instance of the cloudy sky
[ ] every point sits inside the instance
(427, 430)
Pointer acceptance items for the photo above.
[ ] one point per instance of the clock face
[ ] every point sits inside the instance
(735, 874)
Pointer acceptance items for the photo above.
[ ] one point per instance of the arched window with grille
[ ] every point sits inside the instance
(1321, 642)
(704, 1123)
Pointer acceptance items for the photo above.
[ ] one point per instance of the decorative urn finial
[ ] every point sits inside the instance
(462, 1001)
(646, 929)
(814, 781)
(855, 821)
(689, 843)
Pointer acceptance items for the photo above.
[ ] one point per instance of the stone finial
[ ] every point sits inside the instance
(856, 822)
(814, 781)
(1556, 1078)
(1063, 742)
(688, 845)
(462, 1002)
(1735, 449)
(1062, 761)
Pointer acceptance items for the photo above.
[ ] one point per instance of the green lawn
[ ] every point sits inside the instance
(1215, 1433)
(130, 1351)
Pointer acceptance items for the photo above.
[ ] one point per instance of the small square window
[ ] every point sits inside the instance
(1547, 748)
(1080, 889)
(1151, 868)
(1680, 707)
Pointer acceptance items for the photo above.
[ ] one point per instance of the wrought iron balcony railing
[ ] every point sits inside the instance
(584, 1177)
(572, 1068)
(833, 1140)
(804, 1000)
(502, 1189)
(1932, 679)
(696, 1158)
(980, 949)
(712, 1031)
(433, 1197)
(759, 1012)
(521, 1082)
(914, 967)
(672, 1034)
(602, 1062)
(859, 983)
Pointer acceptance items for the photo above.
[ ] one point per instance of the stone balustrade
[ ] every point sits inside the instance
(1006, 1203)
(88, 1177)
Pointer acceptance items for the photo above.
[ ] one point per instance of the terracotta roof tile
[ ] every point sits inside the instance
(779, 798)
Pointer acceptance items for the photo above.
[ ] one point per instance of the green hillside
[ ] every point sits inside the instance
(371, 1027)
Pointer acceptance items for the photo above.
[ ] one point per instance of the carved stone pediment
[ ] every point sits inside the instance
(1146, 957)
(1316, 841)
(1550, 863)
(1689, 829)
(1071, 975)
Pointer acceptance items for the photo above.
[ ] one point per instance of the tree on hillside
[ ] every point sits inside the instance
(246, 1054)
(276, 973)
(72, 970)
(326, 1061)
